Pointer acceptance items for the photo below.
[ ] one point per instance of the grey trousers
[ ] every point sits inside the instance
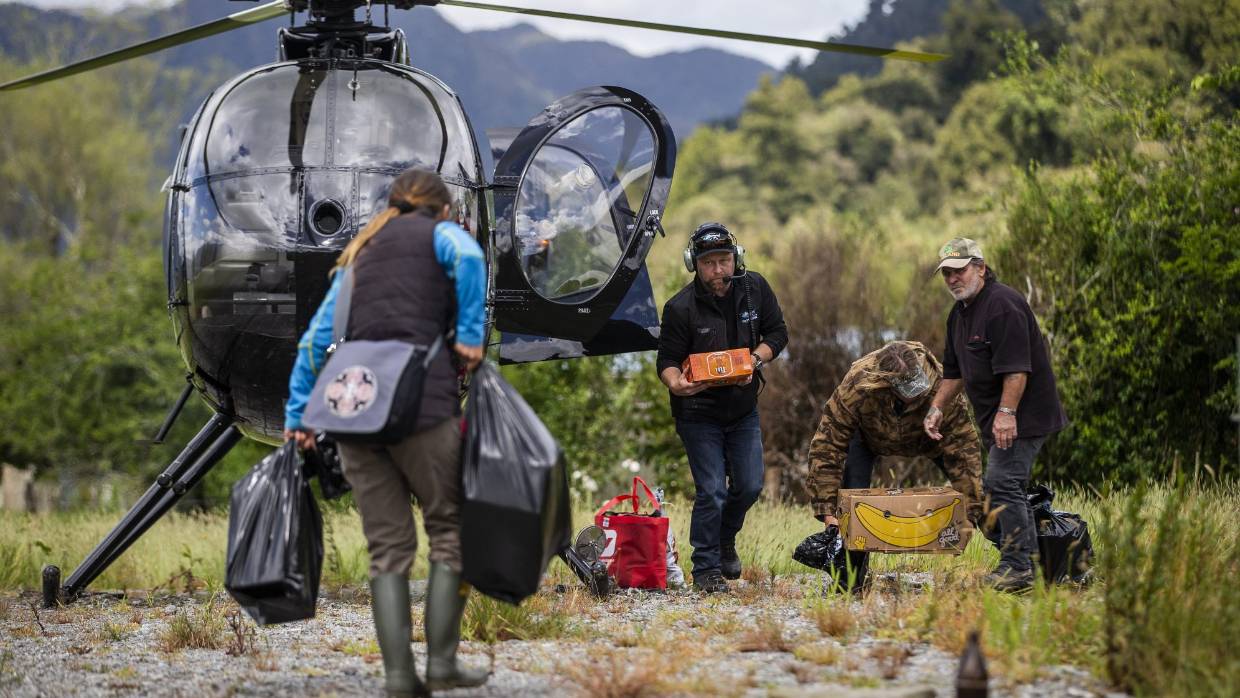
(425, 465)
(1007, 478)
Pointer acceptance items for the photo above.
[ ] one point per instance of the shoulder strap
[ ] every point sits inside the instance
(753, 331)
(753, 328)
(344, 298)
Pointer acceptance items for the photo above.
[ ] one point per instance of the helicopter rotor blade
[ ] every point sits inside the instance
(235, 20)
(897, 54)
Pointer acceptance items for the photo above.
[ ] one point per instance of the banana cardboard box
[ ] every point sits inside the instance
(914, 520)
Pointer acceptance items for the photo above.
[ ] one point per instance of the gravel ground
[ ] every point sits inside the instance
(672, 643)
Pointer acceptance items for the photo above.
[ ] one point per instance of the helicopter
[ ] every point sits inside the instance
(281, 165)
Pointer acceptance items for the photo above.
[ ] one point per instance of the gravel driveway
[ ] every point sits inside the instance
(757, 641)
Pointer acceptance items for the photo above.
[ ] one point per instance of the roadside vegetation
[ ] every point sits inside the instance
(1160, 618)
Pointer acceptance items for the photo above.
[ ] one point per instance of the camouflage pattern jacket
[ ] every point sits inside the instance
(858, 403)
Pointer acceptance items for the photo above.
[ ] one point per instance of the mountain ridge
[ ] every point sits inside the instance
(500, 85)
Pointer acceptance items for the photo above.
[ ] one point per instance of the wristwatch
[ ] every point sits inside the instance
(757, 362)
(1008, 410)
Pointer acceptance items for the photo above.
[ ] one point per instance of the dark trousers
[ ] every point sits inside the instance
(1007, 478)
(726, 463)
(858, 471)
(385, 478)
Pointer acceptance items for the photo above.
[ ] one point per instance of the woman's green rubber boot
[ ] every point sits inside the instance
(390, 605)
(445, 603)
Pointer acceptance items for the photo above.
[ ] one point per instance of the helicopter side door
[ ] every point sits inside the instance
(578, 198)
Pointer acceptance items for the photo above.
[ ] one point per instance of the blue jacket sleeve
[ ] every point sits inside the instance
(311, 355)
(462, 260)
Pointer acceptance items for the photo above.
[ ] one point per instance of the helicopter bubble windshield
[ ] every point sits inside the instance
(579, 199)
(282, 167)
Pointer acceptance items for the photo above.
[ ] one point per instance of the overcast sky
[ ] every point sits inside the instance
(802, 19)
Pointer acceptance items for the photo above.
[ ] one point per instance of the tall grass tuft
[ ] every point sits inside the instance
(538, 618)
(195, 628)
(1170, 558)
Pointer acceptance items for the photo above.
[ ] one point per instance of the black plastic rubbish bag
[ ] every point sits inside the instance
(1064, 546)
(515, 513)
(825, 551)
(820, 550)
(275, 541)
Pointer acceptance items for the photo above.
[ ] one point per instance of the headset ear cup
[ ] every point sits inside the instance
(740, 257)
(688, 257)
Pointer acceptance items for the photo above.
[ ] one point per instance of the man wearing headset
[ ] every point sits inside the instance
(724, 307)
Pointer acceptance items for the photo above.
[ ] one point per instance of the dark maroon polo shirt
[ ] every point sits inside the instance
(993, 335)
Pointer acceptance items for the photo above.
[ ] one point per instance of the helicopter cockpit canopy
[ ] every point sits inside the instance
(279, 169)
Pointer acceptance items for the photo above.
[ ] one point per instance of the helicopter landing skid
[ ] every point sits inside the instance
(201, 454)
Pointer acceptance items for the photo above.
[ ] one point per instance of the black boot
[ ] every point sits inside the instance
(445, 604)
(390, 606)
(729, 561)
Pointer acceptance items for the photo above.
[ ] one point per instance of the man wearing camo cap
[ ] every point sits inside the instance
(996, 352)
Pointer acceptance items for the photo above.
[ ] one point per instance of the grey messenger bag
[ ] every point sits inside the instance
(368, 390)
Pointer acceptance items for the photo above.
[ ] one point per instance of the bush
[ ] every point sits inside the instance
(1134, 267)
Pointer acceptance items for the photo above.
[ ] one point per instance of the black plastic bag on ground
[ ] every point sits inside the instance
(1065, 548)
(515, 513)
(275, 541)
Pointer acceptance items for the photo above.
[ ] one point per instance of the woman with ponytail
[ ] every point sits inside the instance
(416, 275)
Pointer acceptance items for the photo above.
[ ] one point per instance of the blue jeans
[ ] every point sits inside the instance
(726, 463)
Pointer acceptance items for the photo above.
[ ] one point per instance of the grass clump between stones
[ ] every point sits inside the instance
(195, 628)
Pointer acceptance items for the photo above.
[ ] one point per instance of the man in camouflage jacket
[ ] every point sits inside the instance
(878, 410)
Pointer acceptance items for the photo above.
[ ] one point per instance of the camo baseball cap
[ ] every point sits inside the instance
(958, 252)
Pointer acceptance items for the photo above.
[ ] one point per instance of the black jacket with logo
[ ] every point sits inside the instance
(693, 323)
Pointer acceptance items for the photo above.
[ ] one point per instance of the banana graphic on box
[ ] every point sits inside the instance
(905, 531)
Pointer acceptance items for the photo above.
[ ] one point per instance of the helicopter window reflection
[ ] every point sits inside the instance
(235, 234)
(579, 199)
(386, 120)
(247, 131)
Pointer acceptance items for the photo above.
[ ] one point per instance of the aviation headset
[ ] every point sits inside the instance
(713, 237)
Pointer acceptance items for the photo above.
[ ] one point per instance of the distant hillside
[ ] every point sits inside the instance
(504, 77)
(690, 87)
(890, 22)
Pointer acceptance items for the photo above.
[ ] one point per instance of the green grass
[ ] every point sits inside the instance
(1162, 618)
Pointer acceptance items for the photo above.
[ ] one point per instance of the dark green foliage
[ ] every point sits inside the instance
(973, 39)
(88, 367)
(1136, 271)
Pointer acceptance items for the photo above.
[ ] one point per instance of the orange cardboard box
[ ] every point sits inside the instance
(914, 520)
(719, 367)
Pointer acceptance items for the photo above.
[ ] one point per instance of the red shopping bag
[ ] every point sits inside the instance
(636, 551)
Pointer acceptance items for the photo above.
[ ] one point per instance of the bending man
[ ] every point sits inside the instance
(878, 409)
